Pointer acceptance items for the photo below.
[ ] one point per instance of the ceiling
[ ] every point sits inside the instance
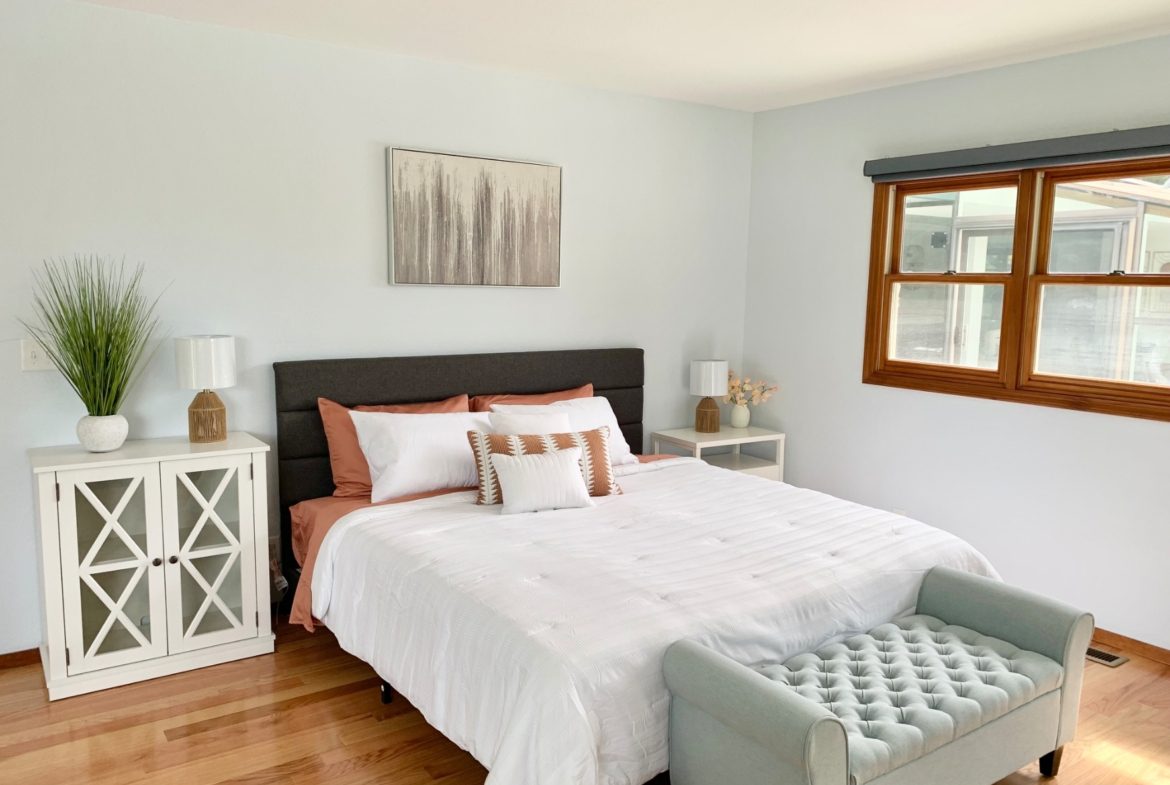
(742, 54)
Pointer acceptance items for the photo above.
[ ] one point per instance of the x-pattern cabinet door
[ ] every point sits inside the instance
(112, 587)
(208, 524)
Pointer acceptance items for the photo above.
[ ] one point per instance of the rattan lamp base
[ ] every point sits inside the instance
(707, 416)
(206, 418)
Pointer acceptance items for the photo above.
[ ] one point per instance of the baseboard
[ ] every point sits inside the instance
(1130, 646)
(16, 659)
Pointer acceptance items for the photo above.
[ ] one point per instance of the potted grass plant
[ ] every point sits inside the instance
(94, 323)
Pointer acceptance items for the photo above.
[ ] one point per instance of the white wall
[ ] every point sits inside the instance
(1076, 505)
(246, 171)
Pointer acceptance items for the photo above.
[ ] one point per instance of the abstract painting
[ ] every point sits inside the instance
(460, 220)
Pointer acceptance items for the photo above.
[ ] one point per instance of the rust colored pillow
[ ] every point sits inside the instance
(483, 403)
(351, 473)
(595, 465)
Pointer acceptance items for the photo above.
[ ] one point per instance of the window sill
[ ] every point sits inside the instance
(1145, 407)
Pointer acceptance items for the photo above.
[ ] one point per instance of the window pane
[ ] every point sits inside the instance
(1084, 249)
(947, 324)
(1118, 333)
(1104, 225)
(966, 231)
(1155, 241)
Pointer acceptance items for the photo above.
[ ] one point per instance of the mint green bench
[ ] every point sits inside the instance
(983, 679)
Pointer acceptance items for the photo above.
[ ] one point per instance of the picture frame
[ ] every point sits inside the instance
(462, 220)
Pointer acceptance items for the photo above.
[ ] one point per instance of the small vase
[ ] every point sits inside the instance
(102, 434)
(740, 416)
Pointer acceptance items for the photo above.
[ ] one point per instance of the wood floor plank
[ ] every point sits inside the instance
(37, 737)
(310, 714)
(131, 728)
(268, 710)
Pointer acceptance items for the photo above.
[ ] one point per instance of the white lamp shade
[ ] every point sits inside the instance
(206, 362)
(708, 377)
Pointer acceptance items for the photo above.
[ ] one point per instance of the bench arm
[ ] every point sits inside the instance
(803, 734)
(1029, 621)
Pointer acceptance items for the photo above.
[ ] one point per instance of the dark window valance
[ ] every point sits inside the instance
(1086, 148)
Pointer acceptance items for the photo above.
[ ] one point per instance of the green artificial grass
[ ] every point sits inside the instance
(94, 322)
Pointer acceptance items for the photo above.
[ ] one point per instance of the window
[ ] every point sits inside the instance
(1048, 286)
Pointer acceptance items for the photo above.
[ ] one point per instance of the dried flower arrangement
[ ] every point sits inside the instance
(742, 392)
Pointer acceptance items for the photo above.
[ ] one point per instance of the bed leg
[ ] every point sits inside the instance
(387, 692)
(1050, 763)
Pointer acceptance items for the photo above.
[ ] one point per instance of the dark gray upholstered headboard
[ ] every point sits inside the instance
(303, 455)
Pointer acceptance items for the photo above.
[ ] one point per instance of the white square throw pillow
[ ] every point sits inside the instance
(415, 453)
(544, 481)
(585, 414)
(524, 424)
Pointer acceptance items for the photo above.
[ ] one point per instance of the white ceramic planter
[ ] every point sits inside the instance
(102, 434)
(740, 416)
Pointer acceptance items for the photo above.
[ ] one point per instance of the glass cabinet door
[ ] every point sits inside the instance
(210, 551)
(111, 539)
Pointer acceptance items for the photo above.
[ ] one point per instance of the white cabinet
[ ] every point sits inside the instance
(154, 559)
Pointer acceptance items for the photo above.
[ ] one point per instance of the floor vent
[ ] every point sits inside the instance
(1105, 658)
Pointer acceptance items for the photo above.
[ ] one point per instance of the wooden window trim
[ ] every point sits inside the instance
(1014, 380)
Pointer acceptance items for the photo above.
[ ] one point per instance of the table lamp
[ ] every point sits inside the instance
(206, 363)
(708, 378)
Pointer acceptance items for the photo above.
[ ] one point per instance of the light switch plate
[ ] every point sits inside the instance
(33, 356)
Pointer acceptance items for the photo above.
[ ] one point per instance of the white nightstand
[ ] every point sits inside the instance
(694, 442)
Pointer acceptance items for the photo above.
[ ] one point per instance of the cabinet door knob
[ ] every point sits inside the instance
(157, 561)
(173, 560)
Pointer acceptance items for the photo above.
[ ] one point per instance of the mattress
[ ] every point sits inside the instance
(535, 641)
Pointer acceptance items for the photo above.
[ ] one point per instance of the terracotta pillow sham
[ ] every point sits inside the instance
(483, 403)
(351, 473)
(595, 465)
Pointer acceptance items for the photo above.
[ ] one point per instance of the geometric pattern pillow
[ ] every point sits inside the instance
(594, 446)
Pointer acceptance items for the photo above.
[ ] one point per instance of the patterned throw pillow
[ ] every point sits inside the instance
(595, 465)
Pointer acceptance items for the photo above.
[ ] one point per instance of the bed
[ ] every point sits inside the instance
(535, 641)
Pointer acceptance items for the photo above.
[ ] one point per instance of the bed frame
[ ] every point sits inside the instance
(303, 455)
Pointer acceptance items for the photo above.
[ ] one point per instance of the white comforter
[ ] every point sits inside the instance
(535, 641)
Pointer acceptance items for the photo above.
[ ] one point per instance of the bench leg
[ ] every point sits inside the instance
(387, 692)
(1050, 763)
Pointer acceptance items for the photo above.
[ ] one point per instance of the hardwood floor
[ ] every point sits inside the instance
(311, 714)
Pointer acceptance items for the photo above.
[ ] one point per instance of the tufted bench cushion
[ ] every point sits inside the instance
(908, 687)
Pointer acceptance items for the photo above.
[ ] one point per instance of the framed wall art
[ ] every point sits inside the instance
(458, 220)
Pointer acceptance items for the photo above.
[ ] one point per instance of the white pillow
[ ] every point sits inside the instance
(585, 414)
(543, 481)
(524, 424)
(414, 453)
